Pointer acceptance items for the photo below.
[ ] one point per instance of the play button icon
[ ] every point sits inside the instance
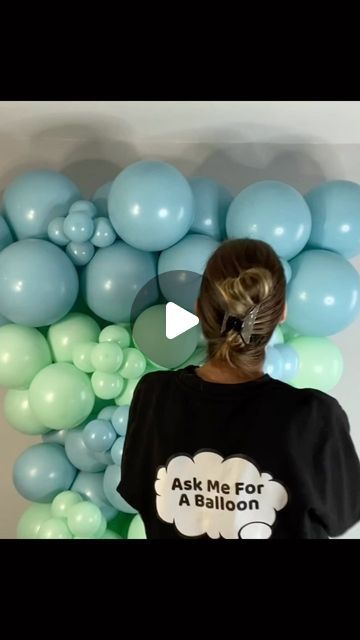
(178, 320)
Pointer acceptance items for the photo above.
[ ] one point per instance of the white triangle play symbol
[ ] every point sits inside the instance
(178, 320)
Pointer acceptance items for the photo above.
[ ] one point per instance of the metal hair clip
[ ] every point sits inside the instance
(244, 326)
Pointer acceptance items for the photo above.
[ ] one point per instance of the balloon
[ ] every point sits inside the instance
(273, 212)
(56, 232)
(134, 363)
(211, 203)
(58, 436)
(276, 338)
(335, 207)
(288, 332)
(100, 198)
(287, 269)
(62, 503)
(119, 419)
(107, 385)
(42, 471)
(61, 396)
(82, 356)
(151, 205)
(149, 336)
(113, 278)
(116, 333)
(85, 519)
(107, 357)
(290, 361)
(80, 253)
(85, 208)
(121, 523)
(5, 234)
(99, 435)
(111, 482)
(79, 226)
(107, 413)
(127, 393)
(273, 364)
(54, 529)
(18, 413)
(78, 453)
(3, 321)
(104, 234)
(323, 294)
(38, 283)
(320, 363)
(111, 535)
(31, 520)
(23, 353)
(91, 486)
(75, 328)
(180, 269)
(137, 529)
(117, 450)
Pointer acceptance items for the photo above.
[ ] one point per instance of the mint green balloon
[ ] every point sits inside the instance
(82, 356)
(128, 391)
(63, 501)
(19, 414)
(102, 528)
(116, 333)
(288, 332)
(107, 386)
(85, 519)
(68, 332)
(134, 363)
(54, 529)
(61, 396)
(136, 529)
(23, 353)
(111, 535)
(31, 520)
(107, 357)
(320, 363)
(121, 523)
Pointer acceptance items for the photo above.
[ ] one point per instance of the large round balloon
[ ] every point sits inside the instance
(31, 520)
(151, 205)
(180, 269)
(137, 529)
(320, 363)
(38, 283)
(113, 278)
(5, 234)
(64, 335)
(211, 204)
(273, 212)
(335, 212)
(91, 486)
(290, 361)
(33, 199)
(23, 353)
(78, 453)
(101, 197)
(42, 471)
(323, 293)
(61, 396)
(19, 414)
(111, 482)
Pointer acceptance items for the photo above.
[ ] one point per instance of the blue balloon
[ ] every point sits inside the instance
(91, 486)
(99, 435)
(104, 234)
(101, 197)
(43, 471)
(180, 269)
(5, 234)
(78, 226)
(33, 199)
(85, 207)
(78, 453)
(323, 293)
(120, 418)
(38, 283)
(290, 360)
(56, 232)
(151, 205)
(80, 253)
(276, 338)
(117, 450)
(273, 212)
(335, 212)
(287, 269)
(111, 482)
(211, 204)
(273, 364)
(107, 412)
(57, 437)
(112, 279)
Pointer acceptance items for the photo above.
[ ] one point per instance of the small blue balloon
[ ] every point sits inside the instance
(120, 419)
(99, 435)
(78, 226)
(107, 412)
(104, 234)
(101, 197)
(43, 471)
(287, 269)
(91, 487)
(78, 453)
(111, 482)
(56, 232)
(117, 450)
(273, 364)
(80, 253)
(290, 361)
(85, 207)
(5, 234)
(57, 437)
(211, 204)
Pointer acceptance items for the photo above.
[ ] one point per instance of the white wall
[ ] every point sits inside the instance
(235, 143)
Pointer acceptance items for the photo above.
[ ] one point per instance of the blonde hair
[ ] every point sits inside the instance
(240, 274)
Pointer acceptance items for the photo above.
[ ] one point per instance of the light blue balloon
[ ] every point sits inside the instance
(276, 338)
(78, 226)
(151, 205)
(85, 207)
(335, 212)
(180, 269)
(112, 279)
(117, 450)
(78, 453)
(38, 283)
(56, 437)
(111, 482)
(80, 253)
(99, 435)
(33, 199)
(104, 234)
(5, 234)
(43, 471)
(211, 204)
(56, 232)
(107, 412)
(290, 360)
(287, 269)
(100, 198)
(273, 364)
(91, 486)
(323, 293)
(120, 418)
(273, 212)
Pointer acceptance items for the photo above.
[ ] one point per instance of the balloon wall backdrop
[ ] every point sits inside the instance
(70, 270)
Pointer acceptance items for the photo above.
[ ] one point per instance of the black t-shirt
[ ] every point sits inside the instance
(258, 459)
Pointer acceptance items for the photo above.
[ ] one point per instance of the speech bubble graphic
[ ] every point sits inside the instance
(222, 497)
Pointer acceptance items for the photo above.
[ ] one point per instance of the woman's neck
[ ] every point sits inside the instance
(218, 371)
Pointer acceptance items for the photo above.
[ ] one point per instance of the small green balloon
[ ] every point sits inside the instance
(116, 333)
(136, 529)
(54, 529)
(320, 363)
(82, 356)
(107, 357)
(128, 391)
(102, 528)
(31, 520)
(121, 523)
(61, 396)
(84, 519)
(134, 363)
(111, 535)
(288, 332)
(19, 414)
(23, 353)
(107, 386)
(64, 335)
(63, 501)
